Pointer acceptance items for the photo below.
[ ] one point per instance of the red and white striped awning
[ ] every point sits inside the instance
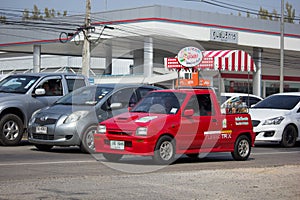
(224, 60)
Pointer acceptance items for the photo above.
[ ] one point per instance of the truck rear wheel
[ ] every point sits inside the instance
(242, 148)
(164, 152)
(11, 130)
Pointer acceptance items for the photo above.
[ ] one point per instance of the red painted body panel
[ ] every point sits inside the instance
(192, 134)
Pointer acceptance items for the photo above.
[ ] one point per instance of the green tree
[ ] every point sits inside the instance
(274, 16)
(2, 19)
(37, 15)
(290, 12)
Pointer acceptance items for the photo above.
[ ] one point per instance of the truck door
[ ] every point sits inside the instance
(53, 90)
(194, 128)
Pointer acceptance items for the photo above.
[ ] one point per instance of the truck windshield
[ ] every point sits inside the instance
(17, 84)
(160, 102)
(90, 95)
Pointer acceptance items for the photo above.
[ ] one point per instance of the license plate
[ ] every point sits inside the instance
(41, 129)
(115, 144)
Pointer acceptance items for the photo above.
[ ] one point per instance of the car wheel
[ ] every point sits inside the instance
(11, 130)
(289, 136)
(164, 152)
(87, 144)
(242, 148)
(42, 147)
(112, 157)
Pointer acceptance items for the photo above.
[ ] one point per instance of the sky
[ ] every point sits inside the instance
(78, 6)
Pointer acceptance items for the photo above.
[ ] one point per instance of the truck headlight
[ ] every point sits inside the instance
(273, 121)
(141, 131)
(101, 129)
(75, 116)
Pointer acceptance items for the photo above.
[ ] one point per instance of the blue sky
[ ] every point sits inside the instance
(78, 6)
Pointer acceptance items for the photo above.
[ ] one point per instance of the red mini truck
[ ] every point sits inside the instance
(170, 122)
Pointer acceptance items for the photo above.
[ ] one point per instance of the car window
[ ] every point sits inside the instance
(52, 87)
(74, 84)
(85, 96)
(144, 91)
(160, 102)
(126, 97)
(17, 84)
(285, 102)
(201, 104)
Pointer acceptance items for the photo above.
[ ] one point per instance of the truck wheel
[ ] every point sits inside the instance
(164, 152)
(112, 157)
(87, 144)
(289, 136)
(43, 147)
(11, 130)
(242, 148)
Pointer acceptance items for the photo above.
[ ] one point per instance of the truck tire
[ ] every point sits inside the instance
(11, 130)
(87, 142)
(242, 148)
(112, 157)
(289, 136)
(164, 152)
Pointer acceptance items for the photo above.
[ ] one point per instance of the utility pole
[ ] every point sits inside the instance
(281, 47)
(86, 49)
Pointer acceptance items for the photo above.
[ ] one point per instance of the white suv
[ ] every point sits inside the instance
(277, 119)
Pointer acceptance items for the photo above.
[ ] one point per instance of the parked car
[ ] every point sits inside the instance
(23, 94)
(277, 119)
(73, 119)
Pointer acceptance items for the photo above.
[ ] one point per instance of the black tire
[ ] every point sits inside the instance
(289, 136)
(11, 130)
(242, 148)
(112, 157)
(164, 152)
(42, 147)
(87, 142)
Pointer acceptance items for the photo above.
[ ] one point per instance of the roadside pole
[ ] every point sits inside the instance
(86, 49)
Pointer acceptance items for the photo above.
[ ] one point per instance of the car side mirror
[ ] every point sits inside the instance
(115, 106)
(40, 92)
(188, 113)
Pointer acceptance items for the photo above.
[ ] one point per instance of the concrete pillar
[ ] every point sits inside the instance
(108, 59)
(36, 58)
(257, 55)
(138, 61)
(148, 57)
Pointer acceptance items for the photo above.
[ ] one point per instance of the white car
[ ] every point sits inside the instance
(277, 119)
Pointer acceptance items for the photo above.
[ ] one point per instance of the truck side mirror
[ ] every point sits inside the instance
(39, 92)
(188, 113)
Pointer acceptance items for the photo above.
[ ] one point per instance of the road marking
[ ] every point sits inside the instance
(47, 163)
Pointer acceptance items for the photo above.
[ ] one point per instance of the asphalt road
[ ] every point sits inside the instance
(271, 172)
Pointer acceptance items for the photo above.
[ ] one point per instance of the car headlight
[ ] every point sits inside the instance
(101, 129)
(141, 131)
(273, 121)
(75, 116)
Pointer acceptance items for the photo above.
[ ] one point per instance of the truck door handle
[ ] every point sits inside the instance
(214, 120)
